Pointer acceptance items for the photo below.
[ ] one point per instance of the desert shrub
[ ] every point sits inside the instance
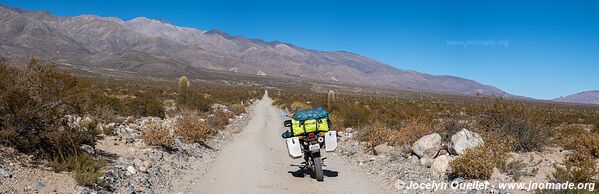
(219, 120)
(411, 131)
(195, 100)
(377, 134)
(295, 106)
(191, 130)
(517, 168)
(156, 135)
(578, 168)
(33, 102)
(452, 126)
(518, 122)
(355, 116)
(144, 106)
(87, 169)
(575, 137)
(237, 108)
(476, 163)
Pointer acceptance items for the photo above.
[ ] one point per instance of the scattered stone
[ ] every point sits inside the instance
(88, 149)
(439, 166)
(427, 146)
(137, 162)
(443, 152)
(463, 140)
(131, 170)
(414, 160)
(349, 130)
(147, 164)
(426, 162)
(382, 149)
(5, 173)
(39, 184)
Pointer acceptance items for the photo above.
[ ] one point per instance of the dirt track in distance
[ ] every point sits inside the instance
(256, 161)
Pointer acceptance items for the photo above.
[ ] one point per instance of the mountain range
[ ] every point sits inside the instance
(156, 47)
(587, 97)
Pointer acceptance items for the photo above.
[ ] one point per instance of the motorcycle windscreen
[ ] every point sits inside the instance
(330, 141)
(294, 147)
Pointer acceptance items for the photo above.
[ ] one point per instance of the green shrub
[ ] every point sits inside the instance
(88, 171)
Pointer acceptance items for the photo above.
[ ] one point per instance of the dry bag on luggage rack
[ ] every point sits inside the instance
(310, 120)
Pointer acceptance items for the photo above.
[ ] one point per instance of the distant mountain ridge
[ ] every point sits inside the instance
(155, 47)
(586, 97)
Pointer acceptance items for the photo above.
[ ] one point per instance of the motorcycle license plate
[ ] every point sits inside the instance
(314, 147)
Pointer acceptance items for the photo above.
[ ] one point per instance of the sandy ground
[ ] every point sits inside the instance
(256, 161)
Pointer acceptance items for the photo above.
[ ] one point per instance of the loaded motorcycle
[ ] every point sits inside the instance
(307, 137)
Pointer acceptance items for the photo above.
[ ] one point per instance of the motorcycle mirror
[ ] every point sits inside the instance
(287, 123)
(283, 114)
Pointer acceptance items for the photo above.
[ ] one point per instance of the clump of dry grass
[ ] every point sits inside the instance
(190, 129)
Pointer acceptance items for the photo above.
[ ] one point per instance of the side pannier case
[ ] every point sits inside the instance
(294, 147)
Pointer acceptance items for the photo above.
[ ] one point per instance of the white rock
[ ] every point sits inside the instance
(147, 164)
(425, 162)
(137, 162)
(427, 146)
(88, 149)
(131, 170)
(382, 149)
(439, 166)
(463, 140)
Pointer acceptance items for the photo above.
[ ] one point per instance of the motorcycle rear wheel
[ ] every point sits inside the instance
(318, 169)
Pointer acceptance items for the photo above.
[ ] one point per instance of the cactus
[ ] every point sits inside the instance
(330, 99)
(183, 90)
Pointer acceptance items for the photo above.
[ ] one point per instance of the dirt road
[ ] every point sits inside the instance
(256, 161)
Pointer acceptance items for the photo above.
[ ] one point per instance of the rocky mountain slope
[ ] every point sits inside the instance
(587, 97)
(158, 48)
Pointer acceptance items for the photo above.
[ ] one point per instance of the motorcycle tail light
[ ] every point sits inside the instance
(311, 135)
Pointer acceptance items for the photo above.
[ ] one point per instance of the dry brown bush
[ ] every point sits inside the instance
(156, 135)
(476, 163)
(579, 168)
(219, 120)
(191, 130)
(33, 102)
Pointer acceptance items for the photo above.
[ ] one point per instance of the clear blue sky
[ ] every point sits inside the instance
(543, 49)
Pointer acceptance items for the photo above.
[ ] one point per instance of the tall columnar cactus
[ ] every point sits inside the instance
(183, 90)
(330, 99)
